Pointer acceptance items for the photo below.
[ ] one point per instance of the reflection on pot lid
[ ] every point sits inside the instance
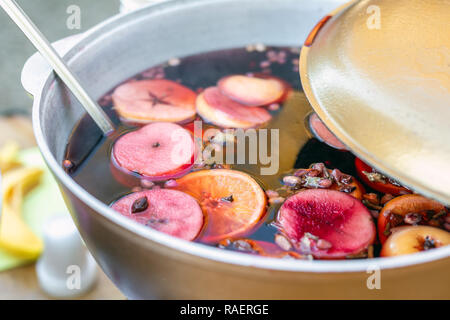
(378, 74)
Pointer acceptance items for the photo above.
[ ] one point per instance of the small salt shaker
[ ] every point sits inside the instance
(66, 269)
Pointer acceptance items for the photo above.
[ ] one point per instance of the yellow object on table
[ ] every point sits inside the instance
(8, 156)
(18, 279)
(16, 236)
(21, 221)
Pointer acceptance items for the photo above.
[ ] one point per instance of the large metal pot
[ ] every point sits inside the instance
(147, 264)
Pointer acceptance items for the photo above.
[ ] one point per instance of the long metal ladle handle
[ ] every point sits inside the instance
(45, 48)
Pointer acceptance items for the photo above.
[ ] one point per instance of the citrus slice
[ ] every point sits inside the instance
(232, 201)
(154, 100)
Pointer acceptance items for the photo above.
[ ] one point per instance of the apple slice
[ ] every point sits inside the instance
(169, 211)
(252, 91)
(156, 100)
(378, 181)
(322, 133)
(216, 108)
(327, 224)
(157, 151)
(407, 240)
(410, 209)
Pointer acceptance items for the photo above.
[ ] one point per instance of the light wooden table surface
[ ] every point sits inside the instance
(21, 283)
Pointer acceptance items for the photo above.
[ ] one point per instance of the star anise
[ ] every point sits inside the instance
(154, 99)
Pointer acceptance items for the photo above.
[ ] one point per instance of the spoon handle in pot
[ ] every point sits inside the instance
(70, 80)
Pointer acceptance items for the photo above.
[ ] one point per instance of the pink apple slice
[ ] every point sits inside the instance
(220, 110)
(169, 211)
(327, 224)
(155, 151)
(252, 91)
(322, 133)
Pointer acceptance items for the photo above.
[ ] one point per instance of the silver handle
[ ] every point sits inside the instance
(70, 80)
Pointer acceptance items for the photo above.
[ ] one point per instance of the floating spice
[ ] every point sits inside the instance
(291, 181)
(276, 200)
(323, 244)
(139, 205)
(413, 218)
(68, 165)
(152, 222)
(272, 193)
(375, 177)
(429, 243)
(171, 183)
(372, 198)
(283, 242)
(228, 199)
(386, 198)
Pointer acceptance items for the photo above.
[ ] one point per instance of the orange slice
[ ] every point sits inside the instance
(232, 201)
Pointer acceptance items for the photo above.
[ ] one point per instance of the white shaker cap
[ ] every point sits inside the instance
(66, 269)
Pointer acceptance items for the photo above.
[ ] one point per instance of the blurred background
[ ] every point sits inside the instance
(18, 278)
(50, 16)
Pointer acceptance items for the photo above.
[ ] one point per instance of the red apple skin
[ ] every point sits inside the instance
(378, 186)
(401, 206)
(332, 216)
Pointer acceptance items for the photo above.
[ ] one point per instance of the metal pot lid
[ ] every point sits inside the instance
(378, 74)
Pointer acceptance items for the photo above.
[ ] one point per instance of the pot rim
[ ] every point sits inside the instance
(192, 248)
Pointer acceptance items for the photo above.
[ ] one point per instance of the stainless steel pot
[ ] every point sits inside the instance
(144, 263)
